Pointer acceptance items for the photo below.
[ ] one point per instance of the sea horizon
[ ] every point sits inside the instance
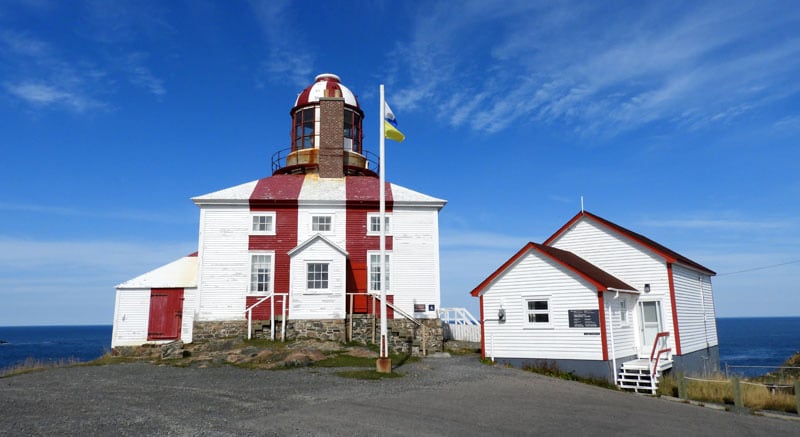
(760, 341)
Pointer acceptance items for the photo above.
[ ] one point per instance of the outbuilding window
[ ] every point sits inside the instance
(537, 311)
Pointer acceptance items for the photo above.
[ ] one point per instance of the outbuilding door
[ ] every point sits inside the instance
(166, 311)
(649, 324)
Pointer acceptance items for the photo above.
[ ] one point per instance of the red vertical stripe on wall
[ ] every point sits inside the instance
(674, 310)
(483, 331)
(362, 198)
(278, 194)
(603, 336)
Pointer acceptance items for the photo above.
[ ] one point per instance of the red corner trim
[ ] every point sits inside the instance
(674, 310)
(603, 337)
(483, 331)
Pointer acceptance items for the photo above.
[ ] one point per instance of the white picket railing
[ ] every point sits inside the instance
(284, 308)
(460, 325)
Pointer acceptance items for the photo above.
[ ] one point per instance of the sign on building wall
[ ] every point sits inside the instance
(584, 318)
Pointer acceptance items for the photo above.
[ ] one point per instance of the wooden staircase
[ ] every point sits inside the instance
(643, 375)
(638, 375)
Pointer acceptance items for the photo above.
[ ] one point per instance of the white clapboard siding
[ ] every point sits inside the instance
(538, 277)
(624, 343)
(696, 331)
(131, 315)
(224, 262)
(189, 310)
(338, 232)
(415, 260)
(313, 304)
(632, 263)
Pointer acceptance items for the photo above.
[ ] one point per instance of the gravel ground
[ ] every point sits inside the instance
(437, 396)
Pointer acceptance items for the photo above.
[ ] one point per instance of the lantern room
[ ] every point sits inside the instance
(326, 135)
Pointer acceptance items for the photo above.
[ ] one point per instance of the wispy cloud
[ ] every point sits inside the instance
(43, 95)
(597, 72)
(285, 59)
(719, 224)
(131, 215)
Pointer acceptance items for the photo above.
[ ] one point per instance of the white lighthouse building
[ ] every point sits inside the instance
(297, 253)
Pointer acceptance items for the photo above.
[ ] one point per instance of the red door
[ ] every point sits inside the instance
(166, 310)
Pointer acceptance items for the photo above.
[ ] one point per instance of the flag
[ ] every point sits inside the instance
(390, 125)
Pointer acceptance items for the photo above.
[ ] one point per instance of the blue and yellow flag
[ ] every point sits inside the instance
(390, 125)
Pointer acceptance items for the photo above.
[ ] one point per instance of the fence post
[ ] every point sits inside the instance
(682, 387)
(738, 401)
(797, 396)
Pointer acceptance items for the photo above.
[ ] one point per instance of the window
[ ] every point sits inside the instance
(352, 131)
(321, 223)
(263, 224)
(623, 311)
(260, 273)
(538, 311)
(317, 277)
(375, 272)
(374, 224)
(303, 129)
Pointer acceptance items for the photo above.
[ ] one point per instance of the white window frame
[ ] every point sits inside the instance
(372, 286)
(624, 314)
(528, 324)
(327, 274)
(270, 215)
(271, 273)
(330, 223)
(376, 216)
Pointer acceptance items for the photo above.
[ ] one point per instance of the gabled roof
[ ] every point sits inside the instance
(181, 273)
(311, 189)
(599, 278)
(299, 248)
(669, 255)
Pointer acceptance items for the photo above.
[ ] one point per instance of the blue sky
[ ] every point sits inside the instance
(677, 120)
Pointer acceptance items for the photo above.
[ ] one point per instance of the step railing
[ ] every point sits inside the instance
(660, 347)
(284, 308)
(377, 298)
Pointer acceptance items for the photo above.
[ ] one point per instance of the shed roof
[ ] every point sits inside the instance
(601, 279)
(666, 253)
(181, 273)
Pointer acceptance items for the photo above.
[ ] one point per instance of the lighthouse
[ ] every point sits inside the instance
(295, 254)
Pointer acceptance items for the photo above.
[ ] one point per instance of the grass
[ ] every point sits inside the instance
(33, 365)
(718, 389)
(549, 368)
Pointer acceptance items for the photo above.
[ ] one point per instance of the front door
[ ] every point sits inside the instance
(166, 311)
(649, 325)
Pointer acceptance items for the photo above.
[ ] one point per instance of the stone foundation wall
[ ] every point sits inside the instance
(220, 329)
(332, 330)
(404, 335)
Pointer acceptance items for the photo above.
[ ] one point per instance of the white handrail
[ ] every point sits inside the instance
(284, 308)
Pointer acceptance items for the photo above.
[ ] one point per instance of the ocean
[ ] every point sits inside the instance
(50, 344)
(764, 341)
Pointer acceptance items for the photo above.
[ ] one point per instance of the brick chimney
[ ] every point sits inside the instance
(331, 136)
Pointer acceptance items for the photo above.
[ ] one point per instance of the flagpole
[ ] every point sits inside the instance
(384, 346)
